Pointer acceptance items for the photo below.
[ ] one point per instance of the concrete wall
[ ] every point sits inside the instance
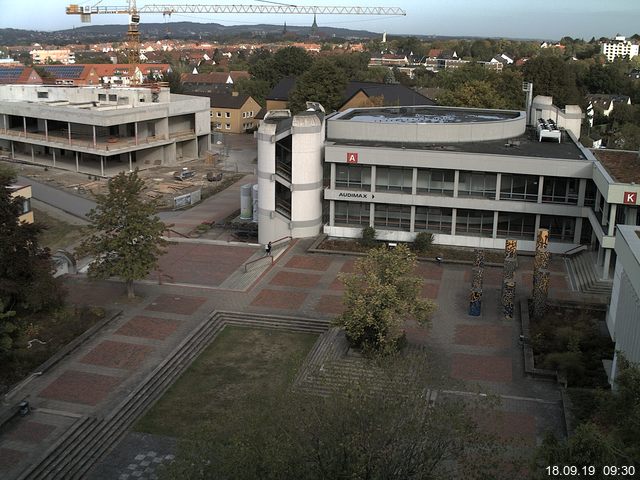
(445, 132)
(181, 123)
(569, 118)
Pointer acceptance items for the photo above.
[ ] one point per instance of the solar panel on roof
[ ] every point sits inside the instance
(10, 73)
(64, 71)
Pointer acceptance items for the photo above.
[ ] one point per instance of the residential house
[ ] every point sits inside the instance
(19, 75)
(24, 192)
(605, 103)
(233, 113)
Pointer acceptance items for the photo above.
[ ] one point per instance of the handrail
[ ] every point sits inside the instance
(176, 232)
(574, 250)
(257, 260)
(288, 237)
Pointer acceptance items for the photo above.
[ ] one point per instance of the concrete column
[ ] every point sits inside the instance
(4, 122)
(135, 131)
(456, 180)
(101, 166)
(33, 155)
(130, 162)
(582, 189)
(606, 264)
(613, 208)
(13, 153)
(631, 215)
(69, 130)
(332, 178)
(95, 143)
(412, 227)
(596, 208)
(414, 187)
(24, 126)
(454, 213)
(498, 182)
(373, 178)
(494, 233)
(537, 227)
(332, 211)
(53, 151)
(540, 187)
(77, 169)
(578, 230)
(372, 214)
(46, 130)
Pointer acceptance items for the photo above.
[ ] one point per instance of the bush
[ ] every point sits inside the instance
(368, 237)
(423, 242)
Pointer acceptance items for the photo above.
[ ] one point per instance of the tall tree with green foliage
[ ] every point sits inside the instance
(554, 76)
(381, 294)
(288, 61)
(26, 269)
(324, 82)
(125, 236)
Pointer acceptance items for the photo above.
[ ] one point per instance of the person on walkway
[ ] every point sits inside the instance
(268, 249)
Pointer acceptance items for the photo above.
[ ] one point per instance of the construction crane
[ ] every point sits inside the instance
(133, 33)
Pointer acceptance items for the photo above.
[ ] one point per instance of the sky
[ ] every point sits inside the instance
(539, 19)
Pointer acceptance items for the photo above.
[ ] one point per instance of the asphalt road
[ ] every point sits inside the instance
(72, 204)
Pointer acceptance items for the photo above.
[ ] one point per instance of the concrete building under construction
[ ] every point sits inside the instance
(101, 131)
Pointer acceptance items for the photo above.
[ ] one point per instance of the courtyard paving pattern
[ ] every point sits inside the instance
(473, 352)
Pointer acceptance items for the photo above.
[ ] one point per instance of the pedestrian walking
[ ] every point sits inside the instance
(267, 249)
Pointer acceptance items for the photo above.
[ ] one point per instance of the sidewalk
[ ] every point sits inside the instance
(213, 209)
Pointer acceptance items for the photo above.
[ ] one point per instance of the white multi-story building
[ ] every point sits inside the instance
(619, 47)
(472, 177)
(64, 56)
(101, 130)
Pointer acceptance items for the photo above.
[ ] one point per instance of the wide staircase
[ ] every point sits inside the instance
(90, 438)
(584, 275)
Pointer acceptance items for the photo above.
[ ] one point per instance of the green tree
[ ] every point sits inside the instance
(476, 93)
(380, 427)
(554, 76)
(288, 61)
(26, 269)
(8, 329)
(379, 297)
(258, 89)
(324, 82)
(174, 78)
(125, 238)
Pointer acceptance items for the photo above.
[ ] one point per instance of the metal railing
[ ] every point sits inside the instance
(258, 260)
(573, 250)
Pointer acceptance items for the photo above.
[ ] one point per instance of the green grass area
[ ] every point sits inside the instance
(58, 234)
(228, 378)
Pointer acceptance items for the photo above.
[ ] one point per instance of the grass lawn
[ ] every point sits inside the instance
(58, 234)
(227, 378)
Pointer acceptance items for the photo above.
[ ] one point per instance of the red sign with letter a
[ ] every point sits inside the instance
(352, 157)
(630, 198)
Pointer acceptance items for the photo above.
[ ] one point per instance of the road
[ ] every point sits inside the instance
(72, 204)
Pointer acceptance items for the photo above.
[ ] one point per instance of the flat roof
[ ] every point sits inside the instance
(525, 145)
(622, 165)
(426, 114)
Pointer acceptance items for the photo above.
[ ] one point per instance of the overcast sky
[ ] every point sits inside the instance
(546, 19)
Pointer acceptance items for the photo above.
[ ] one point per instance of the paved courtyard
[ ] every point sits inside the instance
(473, 352)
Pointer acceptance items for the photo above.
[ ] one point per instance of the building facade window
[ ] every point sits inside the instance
(477, 184)
(474, 222)
(26, 206)
(396, 179)
(560, 228)
(218, 114)
(590, 194)
(435, 181)
(227, 115)
(560, 190)
(433, 219)
(352, 213)
(394, 217)
(519, 187)
(353, 176)
(227, 126)
(516, 225)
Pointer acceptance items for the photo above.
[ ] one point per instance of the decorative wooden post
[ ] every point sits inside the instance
(541, 274)
(509, 280)
(475, 297)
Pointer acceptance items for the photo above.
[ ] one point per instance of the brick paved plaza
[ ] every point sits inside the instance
(472, 352)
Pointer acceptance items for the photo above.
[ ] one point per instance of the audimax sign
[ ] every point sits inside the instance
(354, 195)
